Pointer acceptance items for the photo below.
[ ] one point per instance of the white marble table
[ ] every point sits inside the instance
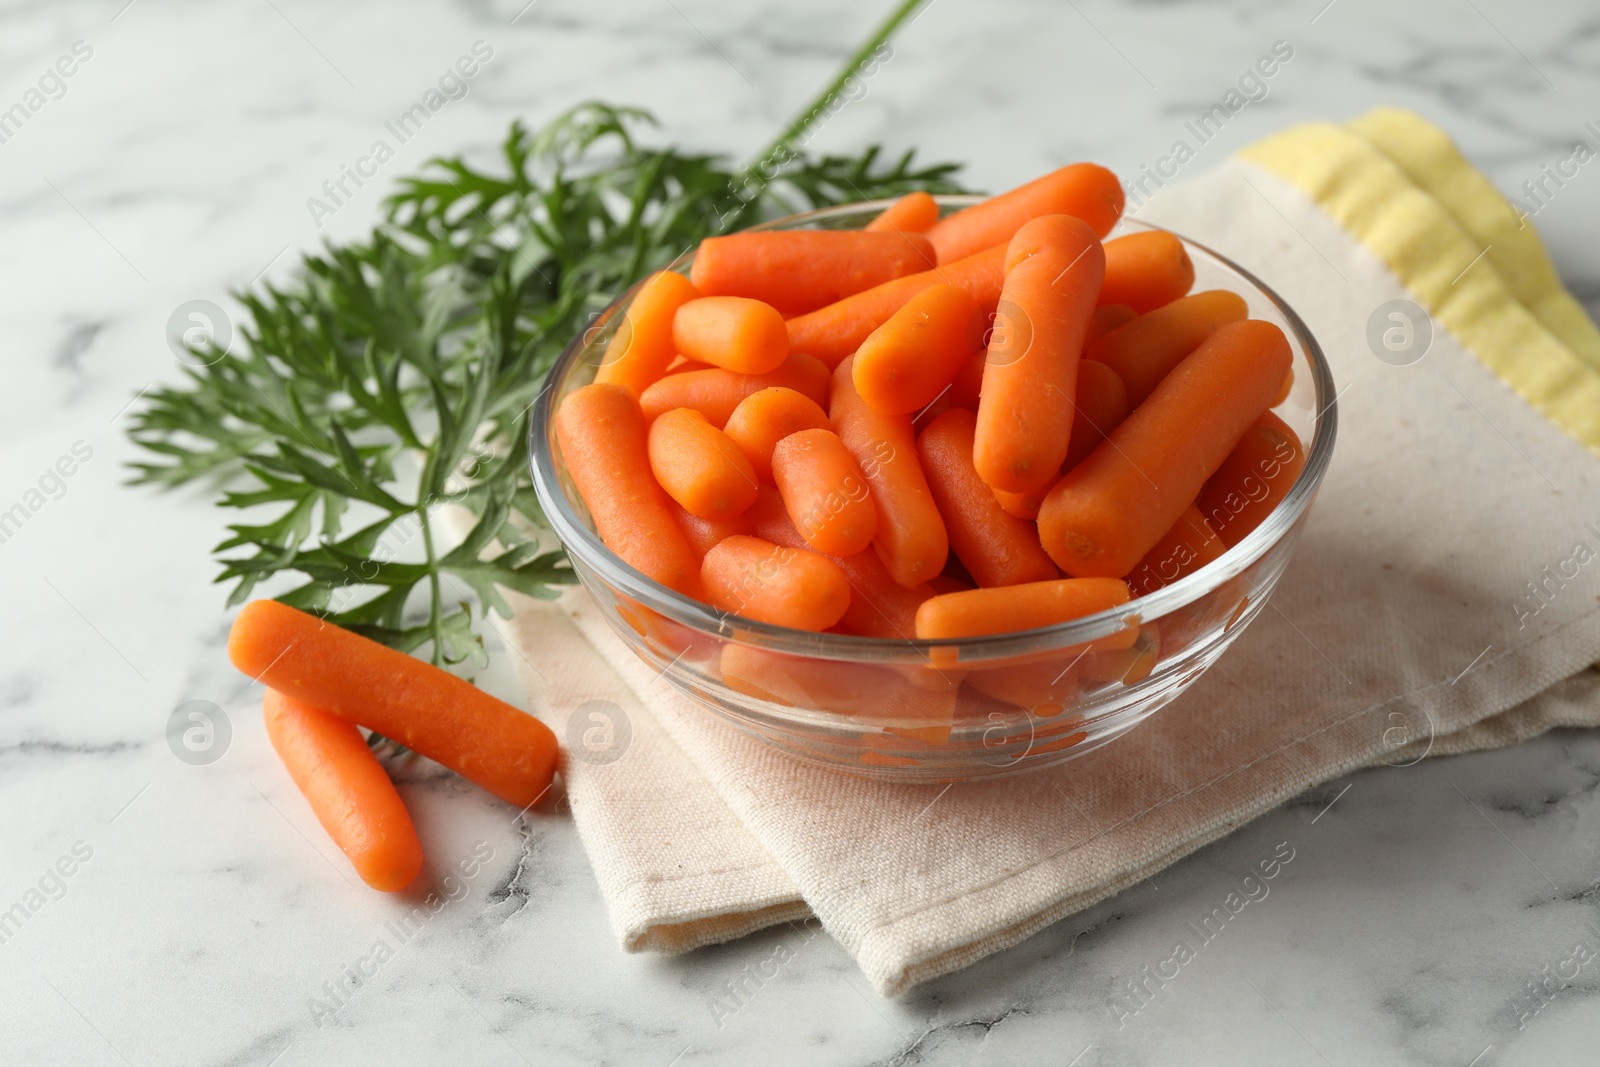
(203, 908)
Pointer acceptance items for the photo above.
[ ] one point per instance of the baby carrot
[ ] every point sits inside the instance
(1253, 480)
(642, 347)
(1111, 509)
(700, 466)
(1023, 505)
(347, 789)
(1284, 389)
(715, 393)
(1102, 404)
(834, 332)
(683, 365)
(879, 605)
(801, 270)
(824, 492)
(1106, 317)
(907, 362)
(996, 548)
(731, 332)
(603, 443)
(1146, 270)
(1053, 270)
(916, 212)
(431, 711)
(1082, 190)
(1144, 350)
(772, 583)
(911, 537)
(968, 383)
(702, 534)
(764, 418)
(1182, 550)
(1017, 607)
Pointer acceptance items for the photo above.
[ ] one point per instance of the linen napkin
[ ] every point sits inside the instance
(1443, 598)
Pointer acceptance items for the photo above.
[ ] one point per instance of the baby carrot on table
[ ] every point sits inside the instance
(825, 492)
(1144, 350)
(641, 349)
(797, 271)
(1017, 607)
(716, 392)
(1111, 509)
(996, 548)
(731, 332)
(774, 583)
(603, 442)
(1083, 190)
(836, 331)
(1253, 480)
(916, 212)
(905, 364)
(347, 789)
(699, 466)
(1053, 270)
(764, 418)
(911, 537)
(429, 710)
(1146, 270)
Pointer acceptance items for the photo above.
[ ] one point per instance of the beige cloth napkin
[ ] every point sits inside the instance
(1434, 606)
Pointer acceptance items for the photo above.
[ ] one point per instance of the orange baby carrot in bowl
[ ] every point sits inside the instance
(1146, 270)
(702, 534)
(429, 710)
(967, 386)
(774, 583)
(797, 271)
(1182, 550)
(879, 605)
(1102, 404)
(1112, 508)
(700, 466)
(825, 492)
(907, 362)
(603, 443)
(1030, 375)
(1017, 607)
(1107, 317)
(911, 537)
(347, 789)
(642, 349)
(836, 331)
(1254, 478)
(731, 332)
(764, 418)
(1143, 351)
(996, 548)
(716, 392)
(1083, 190)
(916, 212)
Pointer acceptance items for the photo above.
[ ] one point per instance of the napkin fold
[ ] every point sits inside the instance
(1445, 597)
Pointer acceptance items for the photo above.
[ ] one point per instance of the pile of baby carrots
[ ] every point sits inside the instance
(323, 682)
(934, 427)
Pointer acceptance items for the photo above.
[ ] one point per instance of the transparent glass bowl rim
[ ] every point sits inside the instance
(587, 548)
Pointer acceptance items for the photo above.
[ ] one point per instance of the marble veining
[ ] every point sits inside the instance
(1434, 914)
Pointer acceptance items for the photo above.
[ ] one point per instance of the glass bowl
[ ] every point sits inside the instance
(956, 709)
